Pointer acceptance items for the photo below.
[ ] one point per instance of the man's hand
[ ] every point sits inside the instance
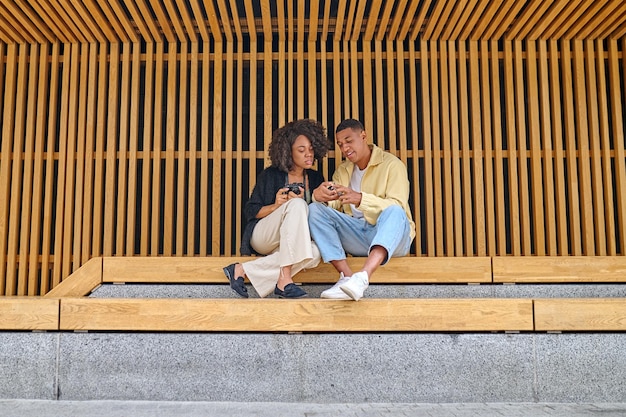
(326, 192)
(347, 195)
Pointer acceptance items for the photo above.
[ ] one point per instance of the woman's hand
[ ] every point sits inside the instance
(282, 197)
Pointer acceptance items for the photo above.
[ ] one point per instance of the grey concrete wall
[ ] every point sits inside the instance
(412, 367)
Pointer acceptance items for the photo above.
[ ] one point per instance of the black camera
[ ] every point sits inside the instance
(295, 187)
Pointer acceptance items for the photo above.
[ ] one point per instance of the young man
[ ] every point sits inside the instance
(363, 211)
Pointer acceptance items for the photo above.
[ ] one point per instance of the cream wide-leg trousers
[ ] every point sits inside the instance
(284, 238)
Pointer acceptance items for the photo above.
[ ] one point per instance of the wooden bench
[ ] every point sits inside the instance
(66, 307)
(561, 269)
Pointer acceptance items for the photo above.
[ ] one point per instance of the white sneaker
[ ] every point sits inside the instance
(356, 285)
(335, 292)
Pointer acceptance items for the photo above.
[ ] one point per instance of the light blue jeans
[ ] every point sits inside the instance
(337, 233)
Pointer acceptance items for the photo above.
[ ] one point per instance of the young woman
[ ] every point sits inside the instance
(277, 212)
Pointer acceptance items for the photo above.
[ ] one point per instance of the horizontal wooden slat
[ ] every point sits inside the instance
(29, 313)
(597, 314)
(295, 315)
(209, 270)
(536, 269)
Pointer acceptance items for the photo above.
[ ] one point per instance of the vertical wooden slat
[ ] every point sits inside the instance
(337, 105)
(617, 130)
(567, 88)
(511, 138)
(582, 134)
(557, 116)
(267, 73)
(46, 238)
(282, 84)
(487, 109)
(435, 115)
(38, 170)
(401, 88)
(99, 174)
(536, 177)
(300, 59)
(121, 216)
(325, 88)
(239, 132)
(605, 140)
(448, 202)
(368, 85)
(598, 224)
(28, 177)
(252, 100)
(8, 145)
(453, 99)
(520, 127)
(417, 155)
(182, 157)
(59, 228)
(391, 100)
(156, 232)
(545, 131)
(204, 150)
(80, 203)
(133, 136)
(479, 156)
(228, 151)
(148, 151)
(194, 86)
(70, 165)
(216, 176)
(498, 142)
(426, 67)
(290, 77)
(170, 149)
(90, 138)
(313, 82)
(16, 283)
(110, 182)
(379, 139)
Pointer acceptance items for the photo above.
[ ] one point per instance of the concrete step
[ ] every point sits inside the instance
(375, 291)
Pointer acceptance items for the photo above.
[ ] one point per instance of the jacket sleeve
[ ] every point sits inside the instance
(262, 195)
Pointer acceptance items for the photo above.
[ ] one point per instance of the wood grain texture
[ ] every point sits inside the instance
(536, 269)
(29, 313)
(277, 315)
(209, 270)
(597, 314)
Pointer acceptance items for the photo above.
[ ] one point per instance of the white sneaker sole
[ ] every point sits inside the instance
(354, 295)
(336, 296)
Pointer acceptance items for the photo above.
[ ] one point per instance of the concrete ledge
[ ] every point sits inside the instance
(327, 368)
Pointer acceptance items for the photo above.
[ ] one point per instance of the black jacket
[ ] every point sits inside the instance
(269, 181)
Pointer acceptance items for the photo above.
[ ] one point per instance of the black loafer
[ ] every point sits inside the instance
(235, 283)
(290, 291)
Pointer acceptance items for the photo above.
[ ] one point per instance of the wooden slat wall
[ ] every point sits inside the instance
(122, 148)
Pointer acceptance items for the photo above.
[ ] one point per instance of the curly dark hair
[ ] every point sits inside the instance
(284, 137)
